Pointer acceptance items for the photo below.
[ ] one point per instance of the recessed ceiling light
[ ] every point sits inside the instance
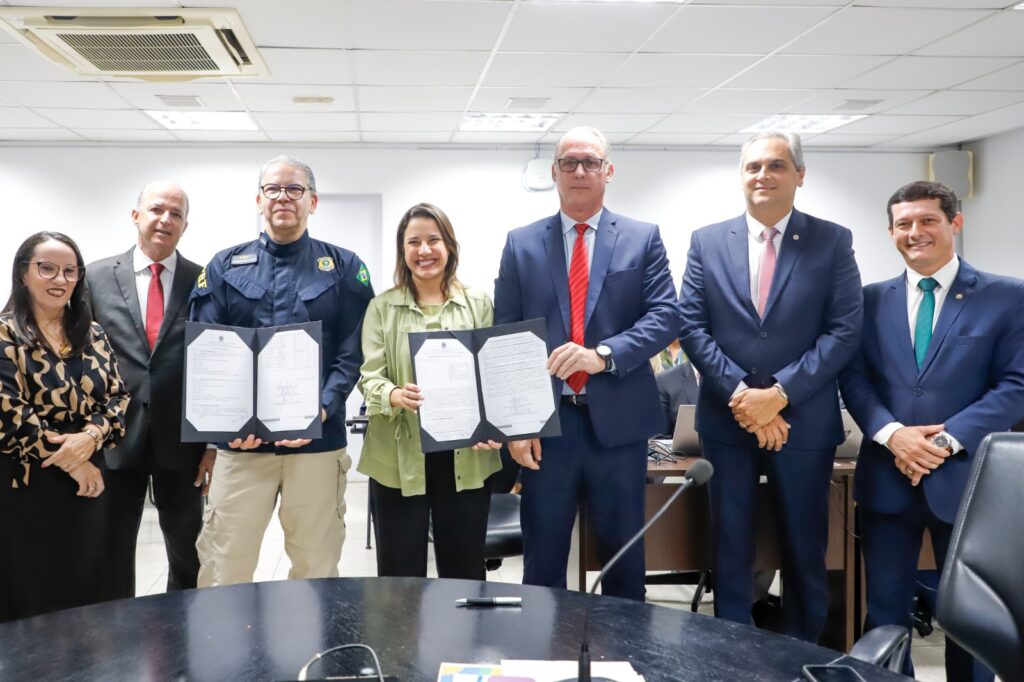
(797, 123)
(529, 123)
(203, 120)
(312, 100)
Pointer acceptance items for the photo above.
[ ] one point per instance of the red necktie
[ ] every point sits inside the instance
(154, 304)
(767, 269)
(579, 278)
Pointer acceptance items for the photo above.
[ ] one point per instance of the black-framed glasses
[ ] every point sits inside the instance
(293, 192)
(591, 164)
(48, 270)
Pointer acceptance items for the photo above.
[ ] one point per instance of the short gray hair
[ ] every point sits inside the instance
(286, 160)
(601, 139)
(796, 149)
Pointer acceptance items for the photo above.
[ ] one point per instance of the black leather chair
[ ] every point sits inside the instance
(981, 595)
(504, 532)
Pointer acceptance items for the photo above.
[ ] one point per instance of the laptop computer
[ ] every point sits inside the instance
(849, 448)
(685, 439)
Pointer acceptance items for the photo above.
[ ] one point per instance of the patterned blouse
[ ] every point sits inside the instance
(40, 392)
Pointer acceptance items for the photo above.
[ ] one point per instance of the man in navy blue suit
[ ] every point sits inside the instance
(772, 306)
(602, 283)
(941, 366)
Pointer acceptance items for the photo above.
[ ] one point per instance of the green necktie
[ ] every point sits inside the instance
(925, 315)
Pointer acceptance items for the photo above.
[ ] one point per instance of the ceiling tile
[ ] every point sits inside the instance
(788, 71)
(748, 101)
(926, 72)
(829, 140)
(697, 29)
(310, 67)
(883, 31)
(410, 121)
(220, 136)
(1001, 35)
(376, 67)
(1011, 78)
(552, 137)
(612, 123)
(962, 102)
(735, 140)
(99, 118)
(583, 27)
(79, 95)
(944, 4)
(19, 62)
(638, 100)
(496, 138)
(977, 127)
(705, 123)
(301, 23)
(38, 134)
(826, 102)
(559, 99)
(406, 137)
(520, 69)
(677, 71)
(20, 117)
(4, 102)
(387, 98)
(279, 97)
(312, 136)
(125, 135)
(825, 3)
(214, 96)
(390, 25)
(684, 139)
(306, 121)
(883, 124)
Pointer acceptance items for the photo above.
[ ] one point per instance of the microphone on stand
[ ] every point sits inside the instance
(698, 475)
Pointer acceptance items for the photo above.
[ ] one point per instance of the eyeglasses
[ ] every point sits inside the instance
(591, 164)
(48, 270)
(293, 192)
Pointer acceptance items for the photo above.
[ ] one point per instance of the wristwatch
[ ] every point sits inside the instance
(943, 441)
(605, 353)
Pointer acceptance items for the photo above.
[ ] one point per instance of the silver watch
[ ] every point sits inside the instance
(605, 353)
(943, 441)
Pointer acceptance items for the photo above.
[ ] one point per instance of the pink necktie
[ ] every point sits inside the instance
(579, 277)
(766, 269)
(154, 304)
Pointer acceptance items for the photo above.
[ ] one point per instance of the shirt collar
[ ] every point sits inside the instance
(456, 295)
(756, 228)
(141, 261)
(570, 224)
(944, 275)
(283, 250)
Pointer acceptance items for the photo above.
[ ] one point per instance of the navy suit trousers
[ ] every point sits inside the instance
(575, 466)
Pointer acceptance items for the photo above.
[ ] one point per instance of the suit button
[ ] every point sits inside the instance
(753, 370)
(917, 390)
(764, 335)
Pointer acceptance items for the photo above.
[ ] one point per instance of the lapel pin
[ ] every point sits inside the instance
(959, 297)
(796, 237)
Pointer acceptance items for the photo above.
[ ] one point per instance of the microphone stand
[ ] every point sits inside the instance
(698, 475)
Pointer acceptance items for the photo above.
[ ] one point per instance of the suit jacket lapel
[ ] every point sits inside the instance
(604, 244)
(124, 273)
(797, 235)
(554, 247)
(895, 301)
(739, 262)
(181, 287)
(956, 298)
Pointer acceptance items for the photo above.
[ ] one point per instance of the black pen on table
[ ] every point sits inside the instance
(489, 601)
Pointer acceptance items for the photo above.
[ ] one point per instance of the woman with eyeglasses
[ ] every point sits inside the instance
(407, 487)
(61, 401)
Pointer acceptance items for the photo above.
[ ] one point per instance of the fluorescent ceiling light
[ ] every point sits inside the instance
(507, 123)
(204, 120)
(799, 123)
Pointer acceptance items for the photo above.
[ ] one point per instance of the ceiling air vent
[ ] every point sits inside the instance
(856, 105)
(150, 44)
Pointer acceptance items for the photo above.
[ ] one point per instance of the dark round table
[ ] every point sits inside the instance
(267, 631)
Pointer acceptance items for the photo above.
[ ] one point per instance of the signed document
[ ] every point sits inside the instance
(241, 381)
(481, 384)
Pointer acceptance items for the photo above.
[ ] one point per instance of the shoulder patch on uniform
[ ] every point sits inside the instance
(201, 280)
(363, 275)
(326, 263)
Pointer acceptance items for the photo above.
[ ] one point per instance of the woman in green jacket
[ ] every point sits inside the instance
(408, 487)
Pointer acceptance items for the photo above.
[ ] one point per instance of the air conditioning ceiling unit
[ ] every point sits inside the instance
(153, 44)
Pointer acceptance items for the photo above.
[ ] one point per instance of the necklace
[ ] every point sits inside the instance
(56, 340)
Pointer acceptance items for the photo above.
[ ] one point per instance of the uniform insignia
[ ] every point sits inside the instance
(243, 259)
(201, 280)
(326, 264)
(363, 275)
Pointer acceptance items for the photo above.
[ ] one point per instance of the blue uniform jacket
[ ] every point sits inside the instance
(264, 284)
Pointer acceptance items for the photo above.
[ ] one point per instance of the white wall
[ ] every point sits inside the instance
(993, 226)
(88, 192)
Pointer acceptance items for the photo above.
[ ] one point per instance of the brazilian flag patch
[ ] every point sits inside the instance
(363, 275)
(201, 280)
(326, 263)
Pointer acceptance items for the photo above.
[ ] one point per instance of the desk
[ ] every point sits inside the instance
(266, 631)
(681, 540)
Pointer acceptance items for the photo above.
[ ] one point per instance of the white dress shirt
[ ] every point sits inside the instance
(143, 276)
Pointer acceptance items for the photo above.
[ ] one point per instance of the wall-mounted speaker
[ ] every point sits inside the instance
(954, 169)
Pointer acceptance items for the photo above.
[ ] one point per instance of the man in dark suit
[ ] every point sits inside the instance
(676, 386)
(602, 283)
(772, 306)
(941, 365)
(139, 297)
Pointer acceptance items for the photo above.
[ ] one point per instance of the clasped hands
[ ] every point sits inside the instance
(72, 457)
(914, 454)
(757, 412)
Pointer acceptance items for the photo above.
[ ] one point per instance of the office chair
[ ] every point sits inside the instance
(504, 533)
